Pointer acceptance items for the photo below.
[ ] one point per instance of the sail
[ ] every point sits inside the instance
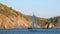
(33, 20)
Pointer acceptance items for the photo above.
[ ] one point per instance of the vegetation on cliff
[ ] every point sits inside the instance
(10, 18)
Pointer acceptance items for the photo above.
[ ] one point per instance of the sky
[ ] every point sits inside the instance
(41, 8)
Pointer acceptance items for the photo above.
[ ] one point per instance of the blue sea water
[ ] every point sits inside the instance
(30, 31)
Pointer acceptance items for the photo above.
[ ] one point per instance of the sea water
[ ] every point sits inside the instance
(30, 31)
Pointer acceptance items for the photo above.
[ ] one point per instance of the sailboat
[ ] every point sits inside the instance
(33, 21)
(33, 28)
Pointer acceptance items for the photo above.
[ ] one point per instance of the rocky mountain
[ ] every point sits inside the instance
(10, 18)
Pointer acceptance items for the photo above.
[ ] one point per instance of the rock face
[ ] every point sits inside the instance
(10, 18)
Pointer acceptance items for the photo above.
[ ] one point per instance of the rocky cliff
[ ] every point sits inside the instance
(10, 18)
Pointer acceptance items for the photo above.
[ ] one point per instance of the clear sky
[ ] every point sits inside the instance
(41, 8)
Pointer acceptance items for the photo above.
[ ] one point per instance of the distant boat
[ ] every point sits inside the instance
(33, 21)
(32, 28)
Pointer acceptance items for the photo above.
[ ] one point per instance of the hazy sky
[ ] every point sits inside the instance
(41, 8)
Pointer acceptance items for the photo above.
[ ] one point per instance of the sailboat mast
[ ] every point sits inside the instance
(33, 20)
